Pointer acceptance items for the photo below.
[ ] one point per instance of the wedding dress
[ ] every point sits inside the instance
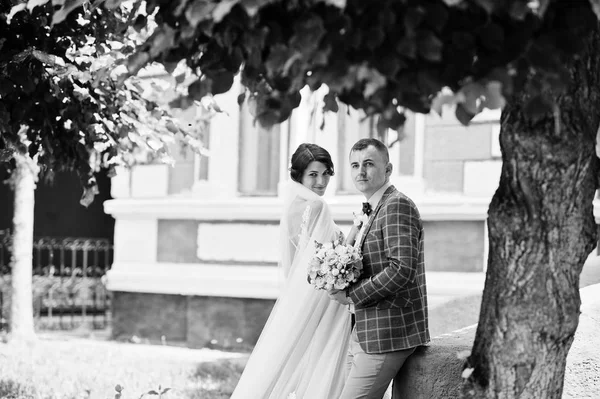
(302, 350)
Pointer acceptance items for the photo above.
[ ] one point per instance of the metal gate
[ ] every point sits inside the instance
(68, 282)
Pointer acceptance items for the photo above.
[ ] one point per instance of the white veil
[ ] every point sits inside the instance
(303, 345)
(306, 218)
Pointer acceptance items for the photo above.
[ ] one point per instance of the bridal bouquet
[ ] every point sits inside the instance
(334, 265)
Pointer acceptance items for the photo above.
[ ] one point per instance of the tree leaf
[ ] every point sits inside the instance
(240, 98)
(519, 10)
(493, 96)
(413, 18)
(393, 121)
(341, 4)
(88, 195)
(113, 4)
(222, 9)
(487, 5)
(199, 10)
(308, 32)
(62, 13)
(137, 61)
(6, 155)
(200, 88)
(180, 78)
(596, 7)
(440, 100)
(14, 10)
(492, 36)
(472, 93)
(453, 3)
(162, 39)
(31, 4)
(330, 103)
(372, 78)
(436, 16)
(221, 82)
(407, 46)
(463, 115)
(268, 119)
(140, 22)
(429, 46)
(277, 59)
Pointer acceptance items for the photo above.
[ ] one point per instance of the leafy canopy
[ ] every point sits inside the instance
(381, 56)
(384, 57)
(64, 98)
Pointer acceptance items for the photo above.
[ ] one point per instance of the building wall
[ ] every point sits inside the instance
(462, 159)
(200, 239)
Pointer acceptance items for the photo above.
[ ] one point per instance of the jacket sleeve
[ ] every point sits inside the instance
(401, 230)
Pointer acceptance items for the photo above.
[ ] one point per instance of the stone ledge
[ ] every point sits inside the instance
(434, 371)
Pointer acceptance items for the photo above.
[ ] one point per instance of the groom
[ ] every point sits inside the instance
(390, 298)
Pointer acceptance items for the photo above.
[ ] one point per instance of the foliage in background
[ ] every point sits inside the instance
(64, 100)
(381, 56)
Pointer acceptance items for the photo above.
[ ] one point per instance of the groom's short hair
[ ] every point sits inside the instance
(379, 146)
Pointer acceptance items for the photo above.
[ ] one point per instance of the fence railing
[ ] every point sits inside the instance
(67, 282)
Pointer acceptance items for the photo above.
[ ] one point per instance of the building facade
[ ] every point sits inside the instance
(195, 245)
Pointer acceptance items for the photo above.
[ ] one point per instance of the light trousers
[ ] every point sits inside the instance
(369, 375)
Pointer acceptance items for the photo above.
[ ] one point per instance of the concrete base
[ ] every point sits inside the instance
(194, 321)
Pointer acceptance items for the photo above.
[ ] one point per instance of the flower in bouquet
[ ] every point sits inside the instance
(334, 265)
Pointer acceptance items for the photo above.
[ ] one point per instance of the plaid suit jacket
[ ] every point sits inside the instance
(390, 297)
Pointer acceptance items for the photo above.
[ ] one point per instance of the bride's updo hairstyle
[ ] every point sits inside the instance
(304, 155)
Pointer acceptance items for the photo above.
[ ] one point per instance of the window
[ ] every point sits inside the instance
(259, 150)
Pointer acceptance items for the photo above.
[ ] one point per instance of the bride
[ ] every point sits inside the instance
(302, 350)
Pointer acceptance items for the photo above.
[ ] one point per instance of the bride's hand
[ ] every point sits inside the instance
(351, 235)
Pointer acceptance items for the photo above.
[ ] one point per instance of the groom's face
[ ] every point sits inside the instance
(370, 170)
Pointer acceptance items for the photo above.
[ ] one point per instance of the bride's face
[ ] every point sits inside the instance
(316, 177)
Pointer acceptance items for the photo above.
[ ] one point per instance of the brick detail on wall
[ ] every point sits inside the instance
(454, 246)
(177, 241)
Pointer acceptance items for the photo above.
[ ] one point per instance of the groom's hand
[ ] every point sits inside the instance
(339, 296)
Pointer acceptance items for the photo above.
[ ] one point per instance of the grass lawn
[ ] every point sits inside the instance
(61, 366)
(71, 368)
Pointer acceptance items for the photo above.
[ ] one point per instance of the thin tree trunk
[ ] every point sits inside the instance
(541, 229)
(23, 181)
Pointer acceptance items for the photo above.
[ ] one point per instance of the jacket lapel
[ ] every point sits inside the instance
(389, 191)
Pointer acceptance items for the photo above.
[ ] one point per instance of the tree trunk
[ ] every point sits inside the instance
(23, 181)
(541, 230)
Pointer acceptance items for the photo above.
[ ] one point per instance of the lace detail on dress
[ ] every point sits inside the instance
(303, 236)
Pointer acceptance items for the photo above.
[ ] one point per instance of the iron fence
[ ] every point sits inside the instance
(67, 282)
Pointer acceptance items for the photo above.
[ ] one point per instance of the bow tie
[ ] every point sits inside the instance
(366, 208)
